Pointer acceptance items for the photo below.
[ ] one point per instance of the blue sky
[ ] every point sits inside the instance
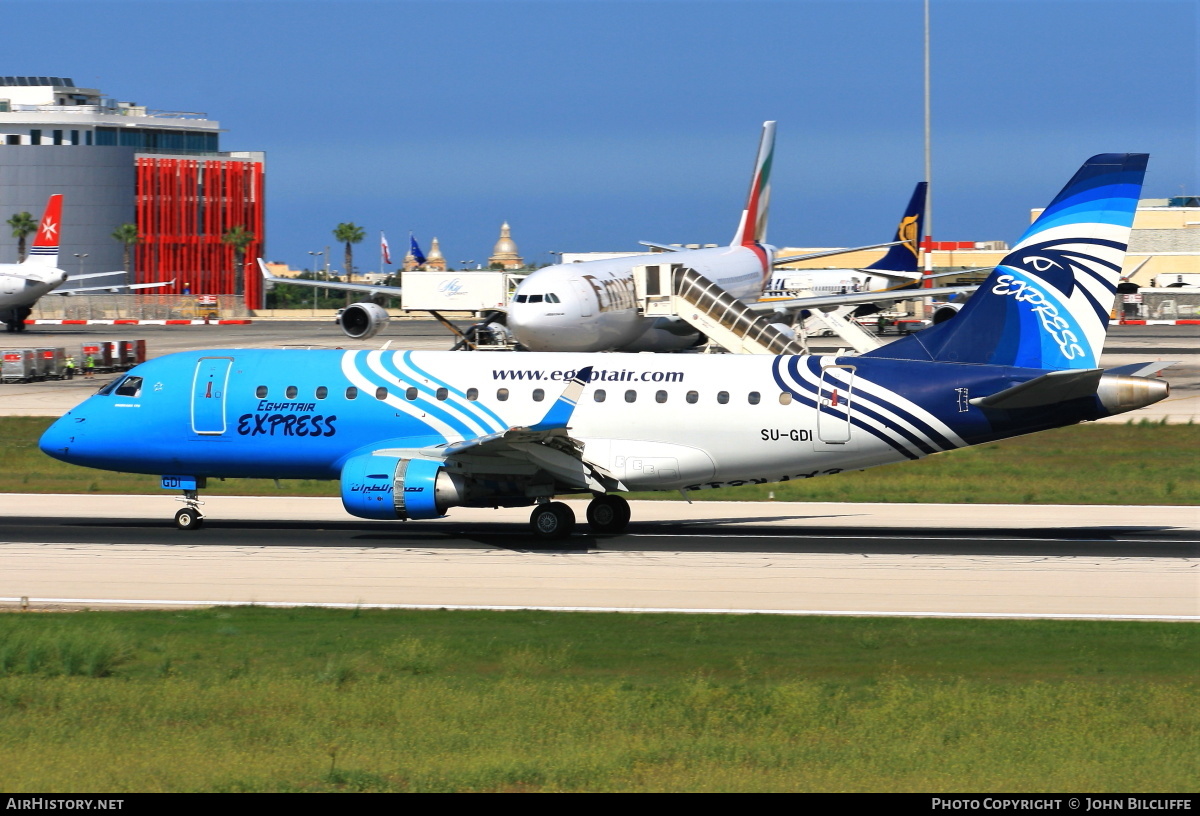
(591, 125)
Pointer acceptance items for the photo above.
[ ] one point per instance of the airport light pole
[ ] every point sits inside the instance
(80, 256)
(316, 291)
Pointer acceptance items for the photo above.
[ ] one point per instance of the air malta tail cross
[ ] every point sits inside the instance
(45, 245)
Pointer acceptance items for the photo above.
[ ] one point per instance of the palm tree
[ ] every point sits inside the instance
(22, 224)
(127, 234)
(239, 238)
(349, 233)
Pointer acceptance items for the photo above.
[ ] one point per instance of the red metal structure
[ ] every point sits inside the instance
(184, 208)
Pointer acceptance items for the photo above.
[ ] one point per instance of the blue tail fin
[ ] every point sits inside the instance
(1047, 304)
(903, 257)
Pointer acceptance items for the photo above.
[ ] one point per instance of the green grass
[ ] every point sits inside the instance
(253, 699)
(1136, 464)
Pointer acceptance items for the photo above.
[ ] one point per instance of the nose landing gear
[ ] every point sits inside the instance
(190, 517)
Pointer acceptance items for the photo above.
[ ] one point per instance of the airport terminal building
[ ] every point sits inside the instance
(121, 163)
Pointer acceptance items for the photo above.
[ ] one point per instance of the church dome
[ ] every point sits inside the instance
(435, 252)
(505, 248)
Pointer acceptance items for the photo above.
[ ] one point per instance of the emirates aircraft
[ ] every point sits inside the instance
(594, 305)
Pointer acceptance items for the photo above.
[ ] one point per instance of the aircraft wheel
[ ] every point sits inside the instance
(552, 521)
(608, 514)
(189, 519)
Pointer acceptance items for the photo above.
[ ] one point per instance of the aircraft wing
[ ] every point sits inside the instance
(790, 258)
(856, 298)
(116, 287)
(830, 252)
(546, 445)
(368, 288)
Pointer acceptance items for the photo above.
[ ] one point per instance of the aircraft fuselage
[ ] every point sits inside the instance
(593, 305)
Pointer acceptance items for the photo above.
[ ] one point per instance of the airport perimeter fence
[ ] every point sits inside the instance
(139, 307)
(1160, 304)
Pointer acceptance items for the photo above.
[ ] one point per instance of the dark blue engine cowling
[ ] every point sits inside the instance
(378, 486)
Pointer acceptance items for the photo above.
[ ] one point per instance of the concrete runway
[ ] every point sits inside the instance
(772, 558)
(1126, 344)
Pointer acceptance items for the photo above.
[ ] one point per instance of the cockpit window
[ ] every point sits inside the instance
(521, 298)
(535, 298)
(130, 387)
(552, 298)
(109, 388)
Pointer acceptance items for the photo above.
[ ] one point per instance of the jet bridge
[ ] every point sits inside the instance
(676, 291)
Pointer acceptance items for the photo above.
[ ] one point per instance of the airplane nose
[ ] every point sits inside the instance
(61, 437)
(538, 331)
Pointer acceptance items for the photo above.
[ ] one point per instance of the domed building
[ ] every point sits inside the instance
(505, 252)
(435, 260)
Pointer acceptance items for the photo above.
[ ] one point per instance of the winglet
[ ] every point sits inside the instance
(266, 273)
(560, 412)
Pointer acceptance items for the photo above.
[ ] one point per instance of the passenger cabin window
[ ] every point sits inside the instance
(631, 395)
(502, 394)
(291, 391)
(410, 393)
(130, 387)
(723, 397)
(260, 392)
(599, 395)
(472, 394)
(692, 397)
(381, 393)
(538, 395)
(660, 396)
(351, 392)
(442, 393)
(753, 397)
(322, 392)
(785, 398)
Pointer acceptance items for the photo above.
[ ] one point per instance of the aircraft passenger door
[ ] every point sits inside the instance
(835, 405)
(208, 395)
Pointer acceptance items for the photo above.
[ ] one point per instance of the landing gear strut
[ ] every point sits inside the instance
(608, 514)
(190, 518)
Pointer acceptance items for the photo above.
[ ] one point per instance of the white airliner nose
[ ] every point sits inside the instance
(543, 322)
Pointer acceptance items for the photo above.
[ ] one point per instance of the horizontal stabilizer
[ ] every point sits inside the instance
(1141, 369)
(1048, 389)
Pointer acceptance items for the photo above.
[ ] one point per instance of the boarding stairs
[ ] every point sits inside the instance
(674, 290)
(677, 291)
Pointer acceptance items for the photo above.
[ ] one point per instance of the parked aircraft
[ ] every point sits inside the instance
(593, 305)
(899, 265)
(23, 284)
(411, 434)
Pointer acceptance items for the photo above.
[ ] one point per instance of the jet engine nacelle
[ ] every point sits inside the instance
(363, 321)
(378, 486)
(944, 312)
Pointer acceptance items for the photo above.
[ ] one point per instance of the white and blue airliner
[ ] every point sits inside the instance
(411, 434)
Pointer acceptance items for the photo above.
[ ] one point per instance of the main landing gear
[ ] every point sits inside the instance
(555, 520)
